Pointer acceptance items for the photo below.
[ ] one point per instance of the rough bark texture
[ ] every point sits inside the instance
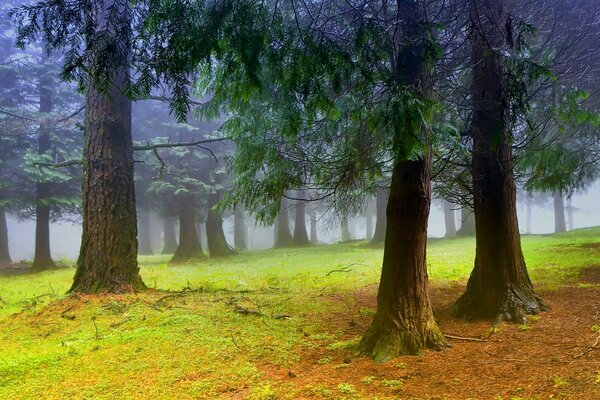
(283, 237)
(108, 255)
(215, 237)
(314, 238)
(499, 286)
(42, 259)
(239, 229)
(467, 223)
(560, 224)
(169, 236)
(404, 322)
(4, 250)
(381, 222)
(300, 234)
(189, 247)
(144, 241)
(346, 235)
(449, 220)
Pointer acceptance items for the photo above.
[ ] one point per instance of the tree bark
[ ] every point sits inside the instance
(300, 234)
(108, 255)
(559, 212)
(144, 241)
(4, 250)
(499, 286)
(215, 237)
(169, 236)
(449, 219)
(239, 229)
(283, 237)
(404, 322)
(189, 247)
(381, 222)
(467, 223)
(42, 259)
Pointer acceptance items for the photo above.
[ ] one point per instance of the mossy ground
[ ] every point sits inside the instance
(215, 329)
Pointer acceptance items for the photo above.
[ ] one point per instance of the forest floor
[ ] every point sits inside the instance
(283, 324)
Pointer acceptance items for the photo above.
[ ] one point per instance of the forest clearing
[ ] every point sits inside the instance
(284, 324)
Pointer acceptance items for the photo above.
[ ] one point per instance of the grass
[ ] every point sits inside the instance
(191, 335)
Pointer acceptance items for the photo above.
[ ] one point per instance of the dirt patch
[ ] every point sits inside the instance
(590, 246)
(590, 274)
(556, 355)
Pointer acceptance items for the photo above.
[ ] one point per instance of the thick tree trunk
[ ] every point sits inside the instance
(169, 236)
(449, 219)
(239, 229)
(499, 286)
(189, 247)
(404, 322)
(144, 241)
(381, 222)
(283, 237)
(4, 250)
(559, 212)
(300, 234)
(345, 229)
(369, 220)
(467, 223)
(314, 239)
(42, 260)
(215, 237)
(108, 255)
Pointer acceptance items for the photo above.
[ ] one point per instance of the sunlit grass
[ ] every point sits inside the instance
(188, 337)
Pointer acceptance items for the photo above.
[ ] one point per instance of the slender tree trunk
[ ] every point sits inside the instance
(189, 247)
(108, 255)
(239, 230)
(559, 212)
(4, 250)
(169, 236)
(404, 322)
(381, 222)
(369, 220)
(529, 207)
(346, 235)
(42, 259)
(449, 219)
(144, 241)
(283, 237)
(300, 234)
(215, 237)
(467, 223)
(571, 224)
(499, 286)
(314, 239)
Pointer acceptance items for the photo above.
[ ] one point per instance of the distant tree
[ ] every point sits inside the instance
(300, 233)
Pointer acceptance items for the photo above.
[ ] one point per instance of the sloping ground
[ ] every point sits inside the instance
(282, 324)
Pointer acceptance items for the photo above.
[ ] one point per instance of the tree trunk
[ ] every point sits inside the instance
(559, 212)
(4, 250)
(283, 237)
(449, 219)
(144, 241)
(499, 286)
(467, 223)
(42, 260)
(239, 229)
(404, 322)
(300, 234)
(346, 235)
(381, 222)
(189, 247)
(169, 236)
(369, 220)
(314, 239)
(108, 255)
(215, 237)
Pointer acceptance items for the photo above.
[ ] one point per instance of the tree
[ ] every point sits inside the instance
(169, 237)
(300, 233)
(381, 201)
(499, 286)
(239, 229)
(449, 219)
(283, 237)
